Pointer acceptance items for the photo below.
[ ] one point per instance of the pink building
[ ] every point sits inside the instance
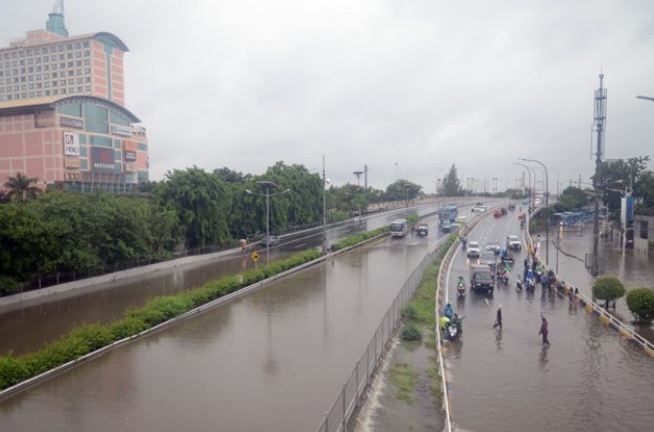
(62, 114)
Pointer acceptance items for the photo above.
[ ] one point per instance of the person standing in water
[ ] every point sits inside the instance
(498, 319)
(544, 330)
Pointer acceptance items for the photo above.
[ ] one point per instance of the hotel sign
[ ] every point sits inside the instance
(71, 144)
(125, 131)
(71, 122)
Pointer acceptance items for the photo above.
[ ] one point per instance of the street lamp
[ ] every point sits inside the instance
(268, 185)
(547, 194)
(528, 183)
(645, 98)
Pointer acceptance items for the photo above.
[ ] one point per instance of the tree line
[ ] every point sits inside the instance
(63, 232)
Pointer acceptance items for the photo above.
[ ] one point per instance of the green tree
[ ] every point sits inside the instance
(641, 303)
(617, 175)
(402, 190)
(644, 188)
(348, 198)
(200, 202)
(608, 288)
(572, 198)
(451, 185)
(21, 188)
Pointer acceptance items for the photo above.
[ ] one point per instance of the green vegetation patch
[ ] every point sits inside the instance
(405, 379)
(90, 337)
(358, 238)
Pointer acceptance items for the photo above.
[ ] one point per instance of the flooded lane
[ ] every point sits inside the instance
(588, 379)
(28, 328)
(273, 360)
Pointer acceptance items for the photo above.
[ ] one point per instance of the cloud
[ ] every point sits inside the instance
(423, 84)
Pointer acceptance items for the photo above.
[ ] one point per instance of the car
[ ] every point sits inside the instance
(270, 241)
(513, 243)
(446, 227)
(478, 209)
(504, 211)
(511, 206)
(473, 251)
(422, 230)
(461, 218)
(482, 279)
(497, 213)
(494, 247)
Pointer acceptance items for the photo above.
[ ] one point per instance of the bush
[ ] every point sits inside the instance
(357, 238)
(641, 303)
(608, 288)
(409, 312)
(9, 286)
(411, 333)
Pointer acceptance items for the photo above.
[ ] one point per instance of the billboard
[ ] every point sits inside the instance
(102, 159)
(627, 210)
(130, 156)
(71, 144)
(71, 122)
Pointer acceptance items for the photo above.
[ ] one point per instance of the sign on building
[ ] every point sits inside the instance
(71, 144)
(130, 156)
(125, 131)
(71, 122)
(102, 159)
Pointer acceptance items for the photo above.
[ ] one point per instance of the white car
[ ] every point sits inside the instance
(513, 243)
(478, 209)
(473, 250)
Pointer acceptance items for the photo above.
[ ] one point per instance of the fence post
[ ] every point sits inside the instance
(344, 408)
(356, 386)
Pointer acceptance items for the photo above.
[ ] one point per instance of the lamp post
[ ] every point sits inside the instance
(325, 181)
(528, 183)
(547, 195)
(268, 185)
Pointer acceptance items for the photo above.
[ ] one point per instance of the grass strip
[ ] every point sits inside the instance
(405, 379)
(87, 338)
(358, 238)
(420, 311)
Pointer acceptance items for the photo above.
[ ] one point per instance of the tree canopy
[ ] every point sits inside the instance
(572, 198)
(451, 185)
(402, 190)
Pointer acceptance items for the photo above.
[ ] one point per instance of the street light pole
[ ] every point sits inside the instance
(547, 219)
(268, 185)
(528, 183)
(324, 207)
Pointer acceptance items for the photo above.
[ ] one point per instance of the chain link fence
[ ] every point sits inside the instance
(337, 418)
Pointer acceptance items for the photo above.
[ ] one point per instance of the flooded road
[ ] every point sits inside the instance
(28, 328)
(589, 378)
(274, 360)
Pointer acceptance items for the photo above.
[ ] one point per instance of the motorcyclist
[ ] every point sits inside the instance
(464, 242)
(461, 282)
(448, 311)
(530, 280)
(457, 320)
(444, 322)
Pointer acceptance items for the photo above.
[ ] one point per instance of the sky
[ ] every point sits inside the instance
(407, 87)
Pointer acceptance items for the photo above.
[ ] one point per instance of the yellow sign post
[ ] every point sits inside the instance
(255, 257)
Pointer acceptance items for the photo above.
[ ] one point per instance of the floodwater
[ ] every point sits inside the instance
(28, 328)
(589, 378)
(635, 269)
(273, 360)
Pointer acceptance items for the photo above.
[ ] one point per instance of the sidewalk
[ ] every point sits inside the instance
(635, 269)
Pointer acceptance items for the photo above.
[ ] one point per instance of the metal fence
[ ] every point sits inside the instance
(337, 418)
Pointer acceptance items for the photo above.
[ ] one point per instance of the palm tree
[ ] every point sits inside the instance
(20, 188)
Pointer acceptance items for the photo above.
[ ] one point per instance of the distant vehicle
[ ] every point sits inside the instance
(511, 206)
(513, 243)
(497, 213)
(503, 210)
(399, 228)
(479, 204)
(478, 209)
(482, 279)
(473, 250)
(462, 218)
(489, 259)
(447, 214)
(494, 247)
(422, 230)
(446, 227)
(270, 241)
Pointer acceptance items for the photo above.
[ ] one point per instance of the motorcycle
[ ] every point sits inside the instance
(461, 289)
(531, 285)
(503, 277)
(452, 331)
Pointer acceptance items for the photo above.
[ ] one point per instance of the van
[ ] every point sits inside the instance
(399, 228)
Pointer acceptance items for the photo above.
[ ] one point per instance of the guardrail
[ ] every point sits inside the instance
(596, 310)
(338, 417)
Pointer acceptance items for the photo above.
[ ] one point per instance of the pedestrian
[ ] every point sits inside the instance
(544, 281)
(544, 330)
(498, 319)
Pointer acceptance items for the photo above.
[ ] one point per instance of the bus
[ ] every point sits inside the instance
(399, 228)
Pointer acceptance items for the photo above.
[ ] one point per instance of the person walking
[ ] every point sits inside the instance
(498, 319)
(544, 331)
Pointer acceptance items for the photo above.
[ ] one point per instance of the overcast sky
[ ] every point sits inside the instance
(423, 84)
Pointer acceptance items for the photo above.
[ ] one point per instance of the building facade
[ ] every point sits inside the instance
(62, 112)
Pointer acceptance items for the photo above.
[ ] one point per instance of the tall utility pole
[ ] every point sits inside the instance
(324, 207)
(547, 203)
(599, 117)
(365, 178)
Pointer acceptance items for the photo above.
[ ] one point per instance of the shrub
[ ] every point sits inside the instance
(409, 312)
(8, 286)
(608, 288)
(411, 333)
(641, 303)
(13, 370)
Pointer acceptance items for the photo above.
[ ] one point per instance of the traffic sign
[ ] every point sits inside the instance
(255, 256)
